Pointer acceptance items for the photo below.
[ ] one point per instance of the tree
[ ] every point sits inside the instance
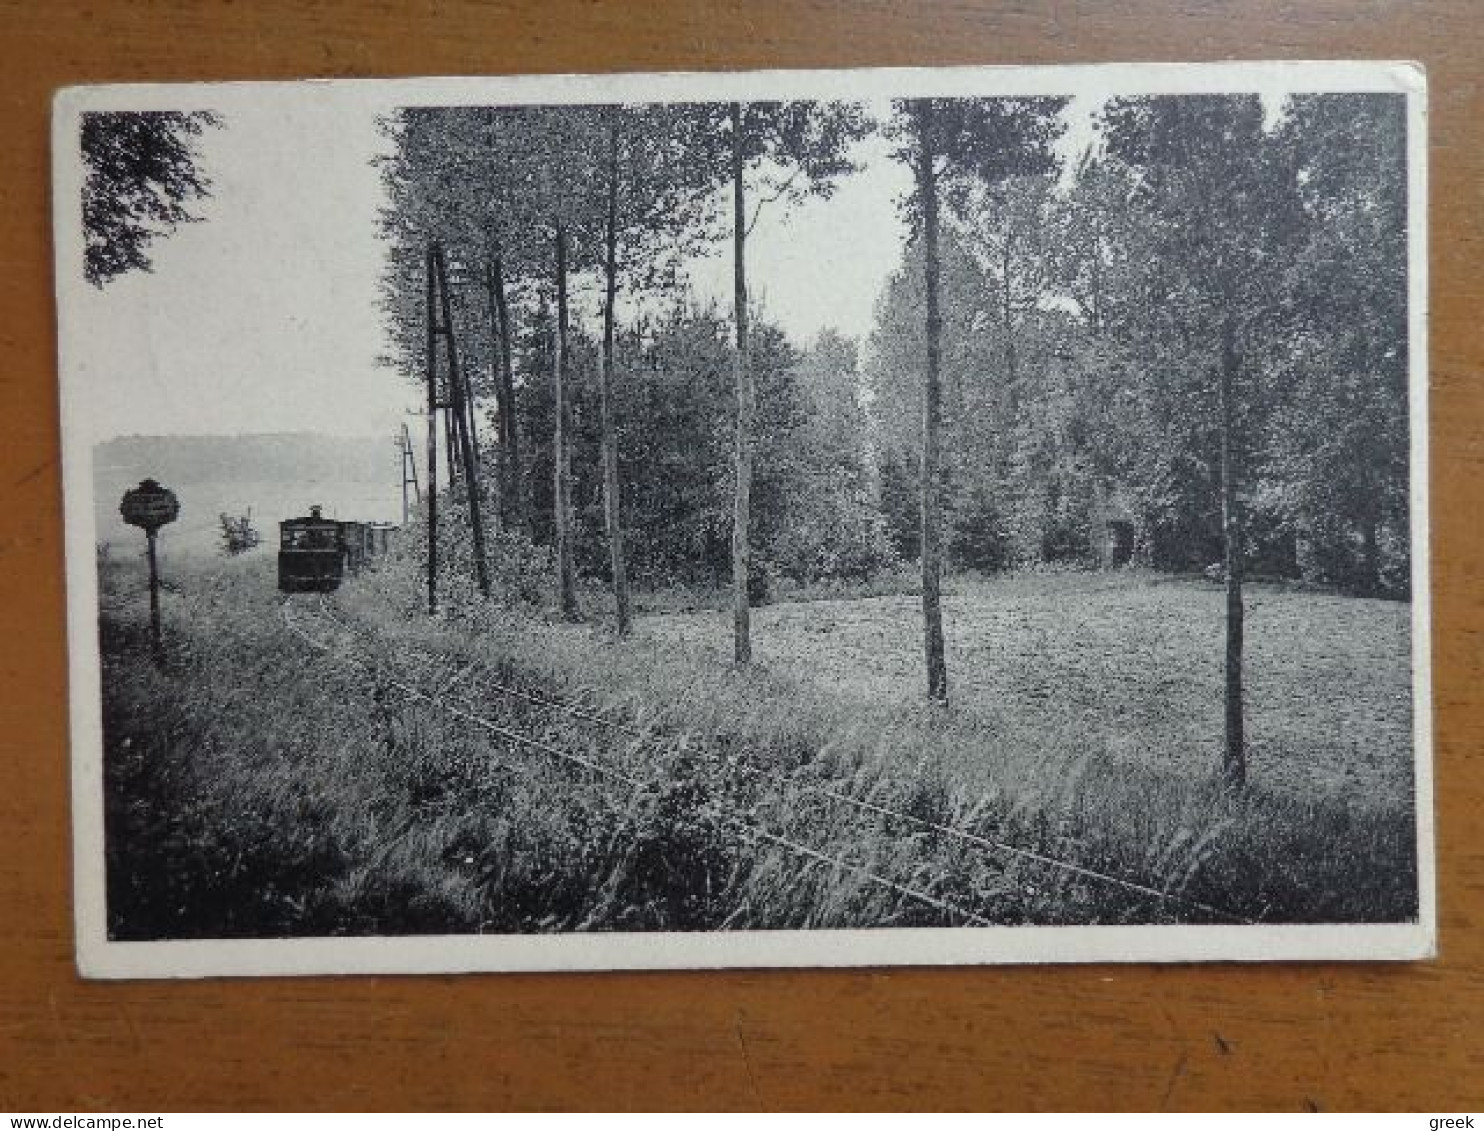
(831, 524)
(989, 140)
(1225, 214)
(1006, 225)
(1335, 464)
(141, 179)
(975, 418)
(925, 119)
(624, 190)
(238, 533)
(804, 147)
(655, 206)
(511, 188)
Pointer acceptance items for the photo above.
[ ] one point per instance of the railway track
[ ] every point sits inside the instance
(344, 640)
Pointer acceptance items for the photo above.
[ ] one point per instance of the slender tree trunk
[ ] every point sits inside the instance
(432, 321)
(612, 497)
(1370, 536)
(1097, 276)
(561, 457)
(476, 475)
(511, 502)
(746, 409)
(932, 416)
(515, 490)
(503, 407)
(1370, 555)
(1009, 317)
(1234, 761)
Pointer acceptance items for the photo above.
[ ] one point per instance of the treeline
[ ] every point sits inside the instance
(1189, 349)
(815, 510)
(1087, 318)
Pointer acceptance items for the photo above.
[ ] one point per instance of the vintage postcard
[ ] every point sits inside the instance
(761, 519)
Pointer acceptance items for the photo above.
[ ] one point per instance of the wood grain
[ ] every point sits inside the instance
(1287, 1037)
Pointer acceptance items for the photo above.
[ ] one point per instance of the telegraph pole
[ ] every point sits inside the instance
(409, 472)
(458, 415)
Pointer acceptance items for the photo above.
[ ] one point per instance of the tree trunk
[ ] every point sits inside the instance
(1234, 760)
(515, 492)
(746, 408)
(432, 321)
(511, 474)
(1009, 316)
(612, 497)
(562, 495)
(1370, 556)
(503, 406)
(932, 416)
(1370, 536)
(1097, 276)
(479, 493)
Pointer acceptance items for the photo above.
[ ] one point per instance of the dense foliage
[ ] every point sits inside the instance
(1085, 309)
(141, 180)
(1082, 335)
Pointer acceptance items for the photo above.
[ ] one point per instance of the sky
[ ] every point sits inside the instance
(264, 316)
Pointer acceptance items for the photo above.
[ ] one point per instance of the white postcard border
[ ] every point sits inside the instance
(99, 957)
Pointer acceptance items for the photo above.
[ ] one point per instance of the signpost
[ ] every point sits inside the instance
(150, 506)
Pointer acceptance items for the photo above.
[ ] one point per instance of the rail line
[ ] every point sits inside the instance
(749, 828)
(988, 844)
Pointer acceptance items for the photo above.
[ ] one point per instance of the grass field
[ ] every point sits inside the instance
(1122, 667)
(255, 788)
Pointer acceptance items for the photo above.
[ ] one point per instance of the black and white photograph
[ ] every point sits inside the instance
(961, 515)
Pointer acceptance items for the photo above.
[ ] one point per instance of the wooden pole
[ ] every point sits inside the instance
(451, 452)
(458, 413)
(409, 469)
(156, 642)
(402, 469)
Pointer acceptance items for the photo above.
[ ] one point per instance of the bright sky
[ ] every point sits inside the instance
(264, 317)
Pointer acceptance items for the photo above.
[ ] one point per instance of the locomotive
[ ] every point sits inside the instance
(315, 553)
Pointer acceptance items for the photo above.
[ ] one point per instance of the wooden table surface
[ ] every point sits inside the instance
(1327, 1036)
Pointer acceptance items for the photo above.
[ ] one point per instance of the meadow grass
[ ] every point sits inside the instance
(257, 788)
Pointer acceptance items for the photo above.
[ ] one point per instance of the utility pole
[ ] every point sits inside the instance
(457, 414)
(409, 472)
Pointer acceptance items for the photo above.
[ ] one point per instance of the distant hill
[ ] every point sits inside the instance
(275, 475)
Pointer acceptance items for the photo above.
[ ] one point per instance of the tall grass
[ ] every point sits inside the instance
(257, 788)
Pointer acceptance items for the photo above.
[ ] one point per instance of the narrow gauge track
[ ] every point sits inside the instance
(989, 847)
(606, 770)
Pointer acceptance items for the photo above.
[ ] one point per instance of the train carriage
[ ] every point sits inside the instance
(311, 553)
(355, 536)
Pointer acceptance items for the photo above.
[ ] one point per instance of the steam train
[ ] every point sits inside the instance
(316, 553)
